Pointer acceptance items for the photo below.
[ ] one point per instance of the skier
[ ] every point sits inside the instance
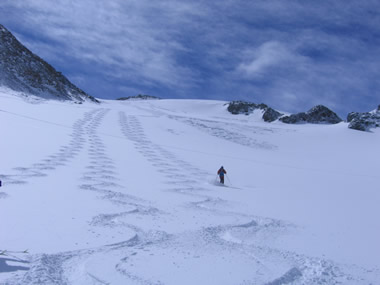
(221, 173)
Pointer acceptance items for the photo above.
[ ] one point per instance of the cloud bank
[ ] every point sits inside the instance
(289, 54)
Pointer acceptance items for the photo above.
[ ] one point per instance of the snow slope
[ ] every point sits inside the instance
(126, 193)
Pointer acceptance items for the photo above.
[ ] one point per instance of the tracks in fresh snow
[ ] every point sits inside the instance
(64, 155)
(219, 245)
(225, 131)
(171, 167)
(247, 241)
(101, 177)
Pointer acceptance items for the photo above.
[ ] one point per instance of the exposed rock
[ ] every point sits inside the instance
(139, 97)
(271, 115)
(21, 70)
(353, 115)
(316, 115)
(364, 121)
(246, 108)
(295, 119)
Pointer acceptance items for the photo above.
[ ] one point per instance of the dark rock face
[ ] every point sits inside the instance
(316, 115)
(139, 97)
(271, 115)
(21, 70)
(364, 121)
(353, 115)
(322, 114)
(295, 119)
(246, 108)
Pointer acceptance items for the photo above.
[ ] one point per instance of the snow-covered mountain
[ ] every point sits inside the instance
(21, 70)
(125, 192)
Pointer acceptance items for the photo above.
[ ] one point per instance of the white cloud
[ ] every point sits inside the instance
(131, 38)
(269, 55)
(225, 49)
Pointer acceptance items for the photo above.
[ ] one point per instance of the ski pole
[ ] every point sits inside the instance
(229, 180)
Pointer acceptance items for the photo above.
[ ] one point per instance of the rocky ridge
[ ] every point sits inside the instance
(139, 97)
(22, 70)
(246, 108)
(316, 115)
(364, 121)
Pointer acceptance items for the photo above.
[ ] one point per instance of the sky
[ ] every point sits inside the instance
(291, 55)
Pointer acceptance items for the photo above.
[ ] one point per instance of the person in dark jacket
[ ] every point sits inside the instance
(221, 173)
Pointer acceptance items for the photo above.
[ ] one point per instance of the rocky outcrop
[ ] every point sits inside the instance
(364, 121)
(246, 108)
(21, 70)
(242, 107)
(271, 115)
(316, 115)
(139, 97)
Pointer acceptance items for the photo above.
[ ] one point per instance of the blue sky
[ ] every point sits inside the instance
(291, 55)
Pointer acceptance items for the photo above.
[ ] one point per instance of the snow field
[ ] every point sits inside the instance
(125, 193)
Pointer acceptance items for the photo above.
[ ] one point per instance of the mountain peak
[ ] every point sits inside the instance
(22, 70)
(317, 115)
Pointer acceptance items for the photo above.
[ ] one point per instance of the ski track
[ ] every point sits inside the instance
(247, 240)
(222, 131)
(60, 158)
(102, 178)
